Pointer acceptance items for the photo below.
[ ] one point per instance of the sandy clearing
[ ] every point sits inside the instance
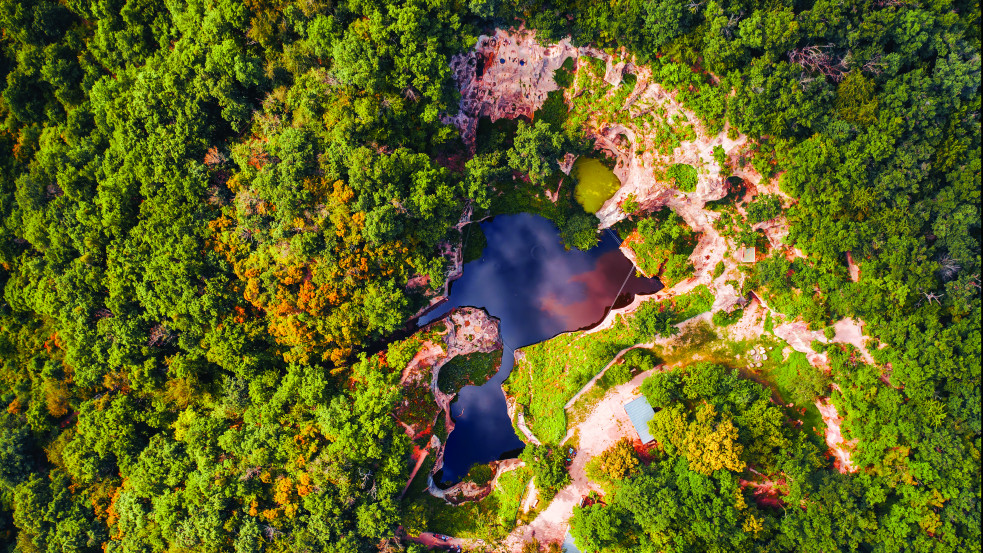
(751, 325)
(847, 331)
(851, 331)
(799, 338)
(853, 267)
(839, 447)
(798, 335)
(431, 541)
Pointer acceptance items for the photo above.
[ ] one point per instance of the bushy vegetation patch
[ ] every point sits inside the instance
(480, 474)
(211, 212)
(726, 318)
(765, 207)
(711, 425)
(474, 242)
(472, 369)
(490, 518)
(662, 246)
(798, 381)
(548, 466)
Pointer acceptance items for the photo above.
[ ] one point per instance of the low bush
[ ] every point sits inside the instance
(724, 318)
(765, 207)
(480, 474)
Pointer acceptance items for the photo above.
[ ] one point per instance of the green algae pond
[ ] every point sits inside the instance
(596, 183)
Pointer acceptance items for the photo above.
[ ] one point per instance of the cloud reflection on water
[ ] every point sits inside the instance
(537, 289)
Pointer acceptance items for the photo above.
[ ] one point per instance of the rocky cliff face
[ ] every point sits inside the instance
(509, 74)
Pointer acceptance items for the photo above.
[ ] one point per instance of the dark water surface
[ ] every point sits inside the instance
(537, 289)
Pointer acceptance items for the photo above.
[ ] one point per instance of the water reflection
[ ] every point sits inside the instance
(537, 289)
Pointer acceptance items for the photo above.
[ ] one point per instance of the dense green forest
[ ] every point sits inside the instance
(211, 210)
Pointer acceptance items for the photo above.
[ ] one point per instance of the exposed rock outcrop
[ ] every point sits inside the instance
(463, 331)
(509, 74)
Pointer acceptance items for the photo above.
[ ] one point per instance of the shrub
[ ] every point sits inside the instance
(564, 75)
(665, 247)
(399, 354)
(662, 389)
(683, 176)
(640, 359)
(473, 368)
(719, 269)
(616, 464)
(580, 231)
(480, 474)
(720, 156)
(765, 207)
(630, 205)
(615, 376)
(548, 467)
(474, 242)
(699, 300)
(799, 381)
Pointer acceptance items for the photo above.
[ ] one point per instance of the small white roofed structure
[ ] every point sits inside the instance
(640, 413)
(746, 255)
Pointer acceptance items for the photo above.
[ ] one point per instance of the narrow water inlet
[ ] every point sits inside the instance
(537, 289)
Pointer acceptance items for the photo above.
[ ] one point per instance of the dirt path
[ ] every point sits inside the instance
(591, 382)
(520, 421)
(607, 424)
(531, 497)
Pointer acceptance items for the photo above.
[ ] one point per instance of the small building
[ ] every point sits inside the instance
(746, 255)
(640, 413)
